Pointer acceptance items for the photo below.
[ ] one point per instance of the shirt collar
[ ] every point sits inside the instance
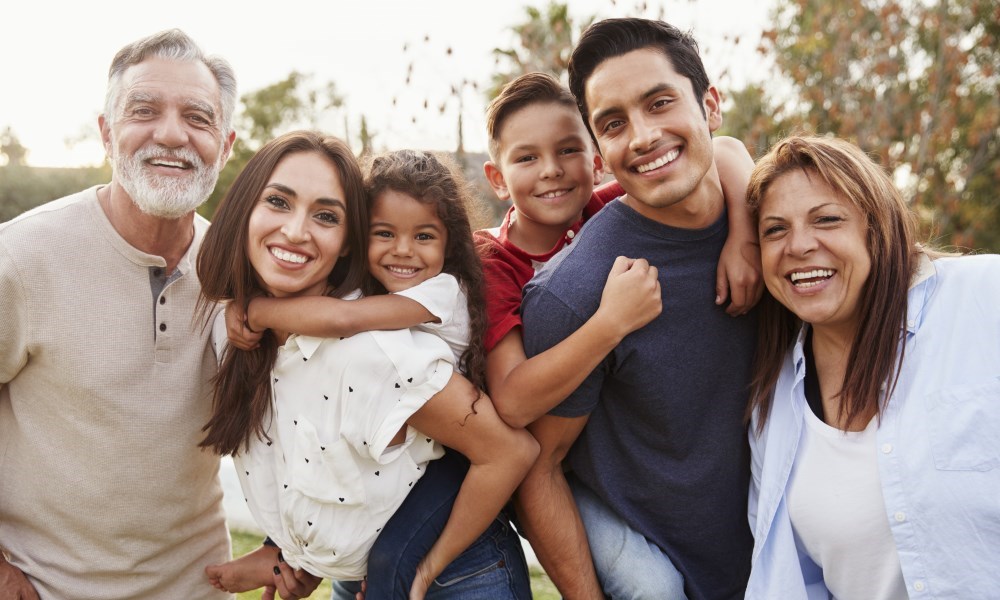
(307, 345)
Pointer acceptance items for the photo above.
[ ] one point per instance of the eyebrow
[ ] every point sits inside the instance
(140, 97)
(811, 211)
(572, 138)
(284, 189)
(420, 226)
(656, 89)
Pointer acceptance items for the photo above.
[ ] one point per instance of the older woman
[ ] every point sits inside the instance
(875, 419)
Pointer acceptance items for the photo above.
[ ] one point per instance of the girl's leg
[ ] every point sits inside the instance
(415, 527)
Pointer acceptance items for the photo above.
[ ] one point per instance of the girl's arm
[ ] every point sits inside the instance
(524, 389)
(499, 456)
(738, 277)
(322, 316)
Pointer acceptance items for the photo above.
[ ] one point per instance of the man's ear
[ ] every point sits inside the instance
(496, 180)
(713, 109)
(105, 128)
(227, 148)
(598, 169)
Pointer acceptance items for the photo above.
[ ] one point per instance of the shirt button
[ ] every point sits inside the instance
(919, 586)
(570, 234)
(163, 299)
(900, 516)
(163, 326)
(886, 448)
(157, 272)
(911, 323)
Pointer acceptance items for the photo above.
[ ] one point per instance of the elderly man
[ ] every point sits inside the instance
(104, 369)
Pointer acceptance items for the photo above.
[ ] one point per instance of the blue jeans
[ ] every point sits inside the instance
(629, 567)
(493, 567)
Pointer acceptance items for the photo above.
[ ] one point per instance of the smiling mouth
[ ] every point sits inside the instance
(554, 194)
(402, 271)
(808, 279)
(288, 256)
(666, 159)
(173, 164)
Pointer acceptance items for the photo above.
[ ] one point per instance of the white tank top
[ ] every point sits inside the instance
(838, 513)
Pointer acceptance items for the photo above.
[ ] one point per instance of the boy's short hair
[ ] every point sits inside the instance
(527, 89)
(615, 37)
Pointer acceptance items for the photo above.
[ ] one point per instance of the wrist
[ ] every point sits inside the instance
(248, 317)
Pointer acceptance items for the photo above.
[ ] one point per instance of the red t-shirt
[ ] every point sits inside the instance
(507, 268)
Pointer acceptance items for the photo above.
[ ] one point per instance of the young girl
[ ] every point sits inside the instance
(329, 435)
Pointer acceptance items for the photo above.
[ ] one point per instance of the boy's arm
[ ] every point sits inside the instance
(548, 514)
(323, 316)
(524, 389)
(738, 277)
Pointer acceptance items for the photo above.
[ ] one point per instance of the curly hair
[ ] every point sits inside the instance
(436, 180)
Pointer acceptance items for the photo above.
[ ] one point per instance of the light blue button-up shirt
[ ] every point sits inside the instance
(938, 447)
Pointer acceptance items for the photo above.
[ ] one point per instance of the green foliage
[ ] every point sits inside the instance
(914, 82)
(23, 188)
(544, 42)
(268, 112)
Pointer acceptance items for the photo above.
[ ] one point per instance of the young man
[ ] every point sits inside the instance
(544, 162)
(660, 472)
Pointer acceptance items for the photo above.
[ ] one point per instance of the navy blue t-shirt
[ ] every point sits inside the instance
(665, 446)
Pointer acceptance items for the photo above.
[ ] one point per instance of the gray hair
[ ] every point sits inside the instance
(172, 44)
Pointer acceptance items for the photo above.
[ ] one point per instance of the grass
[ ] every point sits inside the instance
(243, 542)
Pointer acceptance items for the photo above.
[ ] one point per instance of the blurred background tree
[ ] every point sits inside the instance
(913, 82)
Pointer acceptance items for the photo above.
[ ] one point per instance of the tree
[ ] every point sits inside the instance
(914, 82)
(543, 43)
(268, 112)
(11, 148)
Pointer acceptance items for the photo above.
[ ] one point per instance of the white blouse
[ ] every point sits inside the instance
(326, 481)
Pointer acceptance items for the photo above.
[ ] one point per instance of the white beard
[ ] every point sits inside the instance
(162, 196)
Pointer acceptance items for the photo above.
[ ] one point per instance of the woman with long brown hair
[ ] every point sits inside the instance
(876, 403)
(329, 435)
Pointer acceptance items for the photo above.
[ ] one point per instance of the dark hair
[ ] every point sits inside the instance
(242, 390)
(615, 37)
(523, 91)
(875, 352)
(435, 180)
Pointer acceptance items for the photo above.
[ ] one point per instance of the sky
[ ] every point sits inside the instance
(54, 57)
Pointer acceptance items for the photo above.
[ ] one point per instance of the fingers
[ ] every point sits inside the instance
(292, 584)
(621, 264)
(739, 304)
(721, 285)
(240, 336)
(268, 593)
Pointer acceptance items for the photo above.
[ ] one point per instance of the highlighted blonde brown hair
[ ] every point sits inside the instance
(876, 352)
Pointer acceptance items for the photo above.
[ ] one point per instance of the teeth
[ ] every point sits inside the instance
(403, 270)
(168, 163)
(553, 194)
(669, 157)
(288, 256)
(814, 274)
